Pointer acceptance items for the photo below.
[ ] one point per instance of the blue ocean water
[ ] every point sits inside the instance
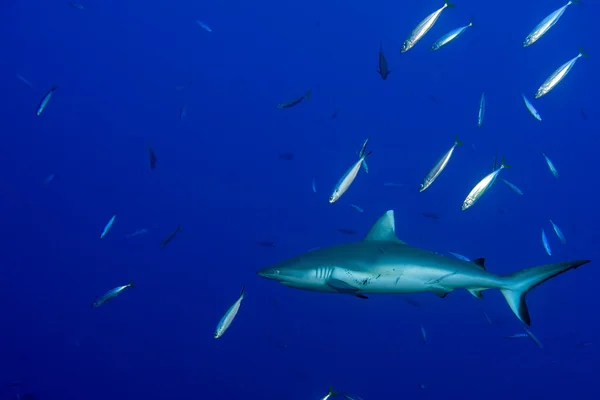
(117, 66)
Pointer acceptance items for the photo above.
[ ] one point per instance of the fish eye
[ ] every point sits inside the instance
(276, 272)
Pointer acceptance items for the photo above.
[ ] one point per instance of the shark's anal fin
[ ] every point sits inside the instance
(439, 291)
(384, 229)
(480, 262)
(341, 286)
(362, 296)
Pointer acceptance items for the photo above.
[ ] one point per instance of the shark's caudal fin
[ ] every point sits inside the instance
(384, 229)
(521, 282)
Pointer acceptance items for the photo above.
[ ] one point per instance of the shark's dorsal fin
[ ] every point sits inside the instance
(384, 230)
(480, 262)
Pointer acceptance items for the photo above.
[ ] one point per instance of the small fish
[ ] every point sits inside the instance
(111, 294)
(517, 336)
(346, 231)
(545, 243)
(336, 112)
(330, 394)
(487, 318)
(182, 112)
(152, 155)
(185, 85)
(423, 27)
(108, 226)
(49, 179)
(583, 344)
(481, 113)
(170, 237)
(25, 81)
(439, 166)
(460, 256)
(393, 184)
(204, 26)
(411, 301)
(551, 166)
(558, 75)
(383, 70)
(531, 108)
(266, 243)
(229, 316)
(532, 336)
(423, 334)
(288, 156)
(558, 232)
(547, 23)
(138, 232)
(449, 37)
(293, 102)
(76, 6)
(350, 397)
(512, 186)
(430, 215)
(357, 208)
(483, 186)
(45, 100)
(361, 153)
(314, 185)
(346, 180)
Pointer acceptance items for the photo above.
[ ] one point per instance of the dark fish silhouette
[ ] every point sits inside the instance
(336, 113)
(292, 103)
(411, 301)
(152, 157)
(346, 231)
(288, 156)
(430, 215)
(266, 243)
(171, 237)
(383, 66)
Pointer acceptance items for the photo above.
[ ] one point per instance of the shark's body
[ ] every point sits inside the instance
(383, 264)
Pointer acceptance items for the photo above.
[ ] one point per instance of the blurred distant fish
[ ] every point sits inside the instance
(266, 243)
(583, 344)
(411, 301)
(182, 112)
(288, 156)
(152, 156)
(170, 237)
(49, 179)
(76, 6)
(517, 336)
(459, 256)
(361, 153)
(449, 37)
(393, 184)
(15, 384)
(185, 85)
(357, 208)
(139, 232)
(545, 242)
(583, 114)
(558, 232)
(346, 180)
(423, 27)
(25, 81)
(512, 186)
(108, 226)
(483, 186)
(295, 101)
(45, 101)
(532, 337)
(229, 316)
(346, 231)
(439, 166)
(336, 112)
(547, 23)
(487, 318)
(551, 166)
(314, 185)
(111, 294)
(204, 26)
(481, 113)
(430, 215)
(349, 397)
(383, 70)
(558, 75)
(423, 334)
(531, 108)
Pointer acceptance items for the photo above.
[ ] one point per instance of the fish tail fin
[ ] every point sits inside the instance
(367, 155)
(179, 228)
(471, 22)
(243, 291)
(495, 165)
(307, 95)
(457, 142)
(449, 5)
(575, 2)
(331, 392)
(583, 53)
(518, 284)
(504, 164)
(130, 284)
(365, 166)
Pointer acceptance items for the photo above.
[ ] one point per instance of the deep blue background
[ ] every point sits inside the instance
(116, 65)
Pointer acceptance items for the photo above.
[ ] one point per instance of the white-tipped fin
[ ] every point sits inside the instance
(384, 229)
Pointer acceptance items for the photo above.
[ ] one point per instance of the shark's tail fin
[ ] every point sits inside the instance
(518, 284)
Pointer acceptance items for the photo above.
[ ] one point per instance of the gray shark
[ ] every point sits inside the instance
(383, 264)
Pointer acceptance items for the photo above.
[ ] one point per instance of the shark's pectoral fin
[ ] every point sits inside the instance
(439, 291)
(476, 292)
(341, 286)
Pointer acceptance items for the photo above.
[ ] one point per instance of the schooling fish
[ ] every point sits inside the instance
(383, 66)
(170, 237)
(551, 166)
(111, 294)
(531, 108)
(449, 37)
(314, 185)
(45, 100)
(547, 23)
(558, 75)
(481, 113)
(512, 186)
(346, 180)
(424, 27)
(229, 316)
(204, 26)
(439, 166)
(152, 157)
(108, 226)
(423, 334)
(292, 103)
(545, 243)
(460, 256)
(483, 186)
(558, 232)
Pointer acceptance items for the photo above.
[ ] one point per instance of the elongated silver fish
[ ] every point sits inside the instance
(449, 37)
(481, 112)
(439, 166)
(346, 180)
(204, 26)
(423, 334)
(512, 186)
(111, 294)
(547, 23)
(551, 166)
(229, 316)
(423, 27)
(545, 243)
(45, 101)
(531, 108)
(314, 185)
(357, 208)
(558, 75)
(108, 226)
(460, 256)
(518, 336)
(483, 186)
(532, 337)
(558, 232)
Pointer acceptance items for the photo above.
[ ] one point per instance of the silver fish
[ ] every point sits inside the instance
(111, 294)
(545, 243)
(424, 27)
(558, 75)
(108, 226)
(423, 334)
(357, 208)
(481, 113)
(483, 186)
(346, 180)
(531, 108)
(204, 26)
(449, 37)
(547, 23)
(45, 100)
(459, 256)
(439, 166)
(512, 186)
(229, 316)
(558, 232)
(517, 336)
(551, 166)
(25, 81)
(314, 185)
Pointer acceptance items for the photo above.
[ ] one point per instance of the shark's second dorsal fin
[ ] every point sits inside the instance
(384, 230)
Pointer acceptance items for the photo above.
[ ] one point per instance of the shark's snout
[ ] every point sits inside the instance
(269, 273)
